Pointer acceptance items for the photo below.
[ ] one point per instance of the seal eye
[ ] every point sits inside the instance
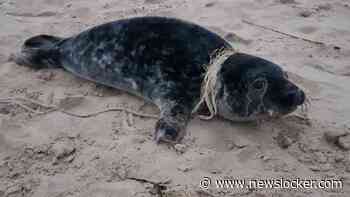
(259, 84)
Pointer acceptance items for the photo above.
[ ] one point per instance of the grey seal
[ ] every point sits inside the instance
(179, 66)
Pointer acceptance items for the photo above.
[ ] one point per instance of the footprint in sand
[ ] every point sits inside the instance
(234, 38)
(57, 3)
(307, 29)
(29, 14)
(287, 1)
(153, 1)
(2, 58)
(83, 12)
(344, 71)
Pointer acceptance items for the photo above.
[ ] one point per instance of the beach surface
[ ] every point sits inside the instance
(113, 153)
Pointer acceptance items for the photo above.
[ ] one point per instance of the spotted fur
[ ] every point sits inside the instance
(165, 61)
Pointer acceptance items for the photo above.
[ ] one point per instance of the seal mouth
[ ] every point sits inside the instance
(283, 110)
(288, 100)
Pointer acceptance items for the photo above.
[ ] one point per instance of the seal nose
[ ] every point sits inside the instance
(296, 97)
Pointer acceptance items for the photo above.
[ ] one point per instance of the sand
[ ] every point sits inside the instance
(113, 154)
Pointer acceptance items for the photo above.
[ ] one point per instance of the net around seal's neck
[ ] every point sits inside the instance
(209, 88)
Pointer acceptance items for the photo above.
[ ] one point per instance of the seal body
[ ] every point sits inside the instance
(156, 58)
(163, 60)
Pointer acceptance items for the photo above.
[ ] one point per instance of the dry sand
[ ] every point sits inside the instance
(113, 154)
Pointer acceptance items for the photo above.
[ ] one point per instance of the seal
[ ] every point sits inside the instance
(177, 65)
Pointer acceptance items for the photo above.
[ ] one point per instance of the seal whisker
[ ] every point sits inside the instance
(306, 105)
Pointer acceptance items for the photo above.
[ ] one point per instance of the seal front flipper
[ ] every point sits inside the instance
(171, 127)
(40, 51)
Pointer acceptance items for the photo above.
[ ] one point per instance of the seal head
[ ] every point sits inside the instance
(251, 88)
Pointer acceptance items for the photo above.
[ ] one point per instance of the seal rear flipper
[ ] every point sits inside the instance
(40, 51)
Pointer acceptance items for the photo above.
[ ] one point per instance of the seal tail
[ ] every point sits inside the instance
(40, 51)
